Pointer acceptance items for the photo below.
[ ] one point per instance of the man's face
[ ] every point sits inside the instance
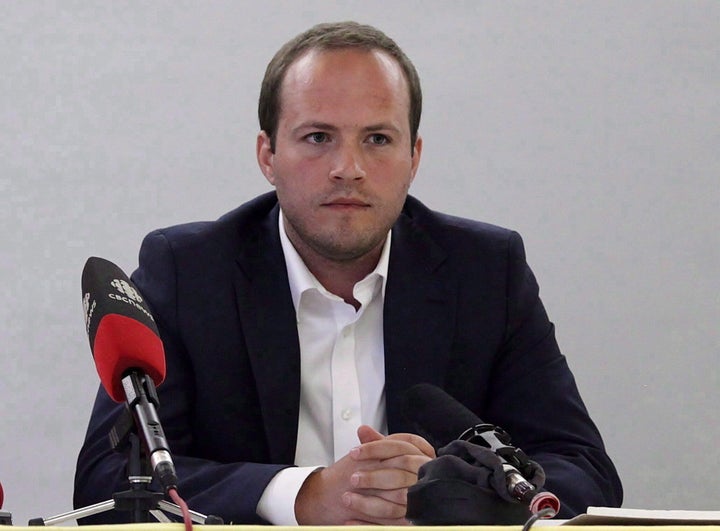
(343, 162)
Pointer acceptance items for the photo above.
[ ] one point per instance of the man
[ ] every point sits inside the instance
(294, 324)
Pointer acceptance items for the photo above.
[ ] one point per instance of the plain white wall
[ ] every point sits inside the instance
(590, 127)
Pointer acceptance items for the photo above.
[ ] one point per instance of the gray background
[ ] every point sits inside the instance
(590, 127)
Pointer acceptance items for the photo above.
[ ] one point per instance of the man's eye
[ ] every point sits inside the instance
(317, 138)
(379, 139)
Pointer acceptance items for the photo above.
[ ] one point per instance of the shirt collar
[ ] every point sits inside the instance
(301, 279)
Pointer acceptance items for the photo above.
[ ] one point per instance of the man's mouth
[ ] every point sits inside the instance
(347, 202)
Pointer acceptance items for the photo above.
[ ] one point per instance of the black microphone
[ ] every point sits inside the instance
(129, 355)
(441, 419)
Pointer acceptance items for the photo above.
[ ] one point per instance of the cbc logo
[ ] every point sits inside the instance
(126, 289)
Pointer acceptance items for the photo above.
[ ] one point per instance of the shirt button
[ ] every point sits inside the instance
(346, 414)
(346, 331)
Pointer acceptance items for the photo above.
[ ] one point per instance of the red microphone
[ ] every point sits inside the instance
(5, 517)
(120, 327)
(128, 353)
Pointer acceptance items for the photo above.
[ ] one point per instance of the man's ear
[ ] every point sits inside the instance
(265, 156)
(417, 151)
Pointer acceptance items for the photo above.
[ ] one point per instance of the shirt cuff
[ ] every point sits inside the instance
(277, 503)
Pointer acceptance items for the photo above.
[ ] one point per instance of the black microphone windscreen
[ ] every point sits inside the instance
(121, 330)
(107, 290)
(437, 416)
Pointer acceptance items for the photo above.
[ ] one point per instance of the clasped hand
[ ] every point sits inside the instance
(368, 485)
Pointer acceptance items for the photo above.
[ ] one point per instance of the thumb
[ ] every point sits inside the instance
(368, 434)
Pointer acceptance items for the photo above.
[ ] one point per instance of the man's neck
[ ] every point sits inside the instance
(340, 277)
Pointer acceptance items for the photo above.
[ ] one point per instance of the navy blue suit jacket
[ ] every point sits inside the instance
(461, 311)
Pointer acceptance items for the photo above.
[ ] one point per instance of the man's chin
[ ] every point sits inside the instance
(341, 250)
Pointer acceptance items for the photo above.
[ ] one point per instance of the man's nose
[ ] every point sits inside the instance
(349, 163)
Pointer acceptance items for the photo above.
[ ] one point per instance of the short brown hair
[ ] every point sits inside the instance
(329, 36)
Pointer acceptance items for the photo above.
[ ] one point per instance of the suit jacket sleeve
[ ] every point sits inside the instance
(463, 312)
(224, 473)
(535, 397)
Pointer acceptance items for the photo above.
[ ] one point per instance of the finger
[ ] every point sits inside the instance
(383, 479)
(399, 521)
(398, 496)
(372, 508)
(384, 449)
(368, 434)
(409, 463)
(424, 446)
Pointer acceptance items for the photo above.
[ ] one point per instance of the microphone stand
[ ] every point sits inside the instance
(139, 500)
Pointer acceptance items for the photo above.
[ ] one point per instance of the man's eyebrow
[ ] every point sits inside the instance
(324, 126)
(382, 127)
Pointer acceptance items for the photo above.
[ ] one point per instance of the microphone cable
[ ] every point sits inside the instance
(547, 512)
(173, 493)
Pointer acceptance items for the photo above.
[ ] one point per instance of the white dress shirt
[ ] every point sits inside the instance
(342, 375)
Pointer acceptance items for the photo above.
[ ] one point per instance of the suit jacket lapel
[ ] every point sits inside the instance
(269, 324)
(418, 322)
(418, 317)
